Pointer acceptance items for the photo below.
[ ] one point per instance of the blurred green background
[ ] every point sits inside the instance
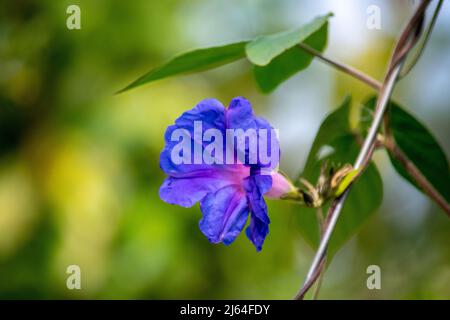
(79, 171)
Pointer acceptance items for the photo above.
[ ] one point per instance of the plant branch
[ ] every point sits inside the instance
(321, 223)
(321, 267)
(416, 58)
(415, 173)
(319, 280)
(405, 43)
(343, 67)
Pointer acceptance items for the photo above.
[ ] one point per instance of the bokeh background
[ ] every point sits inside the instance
(79, 172)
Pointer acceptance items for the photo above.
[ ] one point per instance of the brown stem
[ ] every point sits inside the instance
(416, 58)
(320, 280)
(415, 173)
(301, 294)
(405, 43)
(321, 222)
(342, 67)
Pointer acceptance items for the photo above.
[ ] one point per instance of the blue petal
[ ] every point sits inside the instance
(225, 213)
(256, 186)
(212, 115)
(240, 116)
(187, 191)
(256, 232)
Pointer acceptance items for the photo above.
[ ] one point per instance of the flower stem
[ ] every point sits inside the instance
(343, 67)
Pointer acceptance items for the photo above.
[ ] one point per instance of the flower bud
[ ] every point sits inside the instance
(281, 187)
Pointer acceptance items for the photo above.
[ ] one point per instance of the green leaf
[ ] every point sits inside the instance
(276, 57)
(264, 49)
(290, 62)
(366, 193)
(421, 148)
(276, 52)
(193, 61)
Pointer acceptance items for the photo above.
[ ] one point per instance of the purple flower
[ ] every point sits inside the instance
(194, 158)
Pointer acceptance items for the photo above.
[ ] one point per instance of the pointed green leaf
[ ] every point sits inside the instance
(290, 62)
(264, 49)
(421, 148)
(193, 61)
